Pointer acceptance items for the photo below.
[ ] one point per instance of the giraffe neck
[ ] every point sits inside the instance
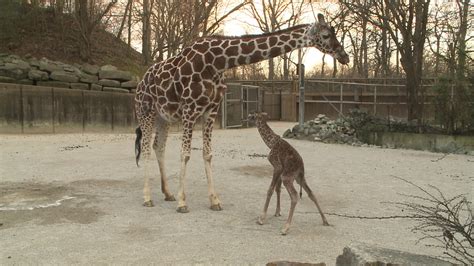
(231, 52)
(269, 137)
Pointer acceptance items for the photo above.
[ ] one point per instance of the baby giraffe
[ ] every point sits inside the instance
(287, 167)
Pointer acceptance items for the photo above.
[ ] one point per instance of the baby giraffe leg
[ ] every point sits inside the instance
(263, 217)
(313, 198)
(288, 183)
(278, 191)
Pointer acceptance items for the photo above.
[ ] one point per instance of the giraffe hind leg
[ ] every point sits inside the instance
(159, 145)
(144, 150)
(313, 198)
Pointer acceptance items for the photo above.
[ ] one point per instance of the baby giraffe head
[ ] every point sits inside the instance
(257, 117)
(323, 36)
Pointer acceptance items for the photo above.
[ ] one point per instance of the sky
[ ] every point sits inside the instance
(241, 23)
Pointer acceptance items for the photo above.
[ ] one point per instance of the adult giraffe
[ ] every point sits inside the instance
(190, 85)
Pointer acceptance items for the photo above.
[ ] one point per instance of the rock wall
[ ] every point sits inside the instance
(44, 72)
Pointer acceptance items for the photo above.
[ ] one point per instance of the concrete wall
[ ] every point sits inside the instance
(36, 109)
(429, 142)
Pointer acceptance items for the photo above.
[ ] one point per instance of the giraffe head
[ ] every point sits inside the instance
(323, 36)
(254, 117)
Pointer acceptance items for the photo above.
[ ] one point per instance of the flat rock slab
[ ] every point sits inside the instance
(109, 83)
(360, 254)
(115, 74)
(79, 86)
(112, 89)
(292, 263)
(63, 76)
(56, 84)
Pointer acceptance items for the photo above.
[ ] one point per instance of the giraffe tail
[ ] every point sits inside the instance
(138, 146)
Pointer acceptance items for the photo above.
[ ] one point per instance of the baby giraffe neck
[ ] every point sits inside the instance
(267, 134)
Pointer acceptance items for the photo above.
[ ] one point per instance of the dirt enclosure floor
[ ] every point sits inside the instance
(77, 198)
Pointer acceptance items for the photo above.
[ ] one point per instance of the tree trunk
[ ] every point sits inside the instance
(271, 69)
(146, 33)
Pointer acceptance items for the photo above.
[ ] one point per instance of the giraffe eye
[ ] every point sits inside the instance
(325, 36)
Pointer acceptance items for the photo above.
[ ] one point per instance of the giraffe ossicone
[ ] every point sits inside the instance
(191, 85)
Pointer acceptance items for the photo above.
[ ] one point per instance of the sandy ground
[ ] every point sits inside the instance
(77, 199)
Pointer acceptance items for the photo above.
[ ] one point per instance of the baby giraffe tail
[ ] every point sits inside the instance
(138, 146)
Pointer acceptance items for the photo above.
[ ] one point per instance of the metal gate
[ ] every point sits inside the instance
(239, 101)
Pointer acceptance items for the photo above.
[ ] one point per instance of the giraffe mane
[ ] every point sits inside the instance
(230, 37)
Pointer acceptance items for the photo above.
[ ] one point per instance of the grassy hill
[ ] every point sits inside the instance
(41, 33)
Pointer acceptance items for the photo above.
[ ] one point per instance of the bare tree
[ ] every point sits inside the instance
(447, 221)
(176, 24)
(273, 15)
(408, 18)
(88, 15)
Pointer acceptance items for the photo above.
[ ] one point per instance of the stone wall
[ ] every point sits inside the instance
(48, 73)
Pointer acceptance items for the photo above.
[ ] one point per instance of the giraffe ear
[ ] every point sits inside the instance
(321, 18)
(312, 31)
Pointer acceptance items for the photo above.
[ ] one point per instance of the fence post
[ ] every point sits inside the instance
(53, 109)
(22, 111)
(375, 100)
(301, 97)
(341, 98)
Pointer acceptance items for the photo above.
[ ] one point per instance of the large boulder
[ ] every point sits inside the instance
(132, 84)
(35, 74)
(109, 83)
(12, 70)
(90, 69)
(7, 79)
(63, 76)
(96, 87)
(108, 68)
(361, 254)
(49, 66)
(87, 78)
(115, 74)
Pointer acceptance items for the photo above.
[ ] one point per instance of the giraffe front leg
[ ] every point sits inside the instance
(185, 155)
(288, 183)
(278, 192)
(207, 156)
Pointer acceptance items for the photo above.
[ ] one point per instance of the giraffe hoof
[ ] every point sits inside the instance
(260, 221)
(170, 198)
(216, 207)
(148, 203)
(277, 214)
(325, 223)
(182, 209)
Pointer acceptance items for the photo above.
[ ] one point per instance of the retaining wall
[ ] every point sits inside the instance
(37, 109)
